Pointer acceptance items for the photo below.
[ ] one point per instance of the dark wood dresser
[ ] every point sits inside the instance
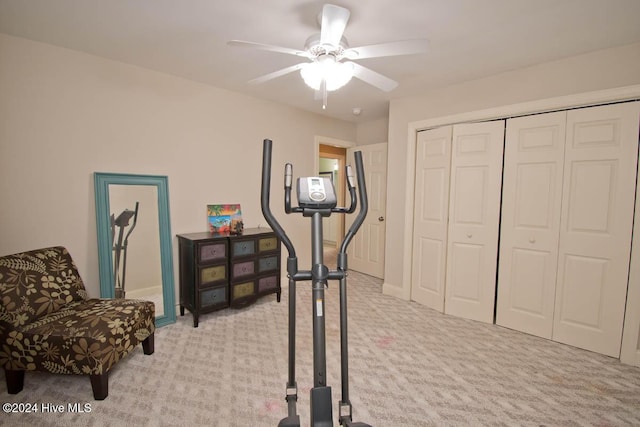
(223, 270)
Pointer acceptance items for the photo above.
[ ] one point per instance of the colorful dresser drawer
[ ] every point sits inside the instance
(240, 269)
(270, 263)
(268, 284)
(243, 290)
(212, 251)
(213, 273)
(267, 244)
(243, 248)
(216, 297)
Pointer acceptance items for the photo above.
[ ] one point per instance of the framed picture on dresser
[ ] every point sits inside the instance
(223, 218)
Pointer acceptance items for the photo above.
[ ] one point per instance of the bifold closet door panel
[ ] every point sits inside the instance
(529, 231)
(431, 212)
(474, 213)
(596, 224)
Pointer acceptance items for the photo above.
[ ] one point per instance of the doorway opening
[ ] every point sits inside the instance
(331, 163)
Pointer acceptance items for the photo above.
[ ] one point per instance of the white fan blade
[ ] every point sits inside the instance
(277, 74)
(405, 47)
(334, 21)
(268, 47)
(374, 79)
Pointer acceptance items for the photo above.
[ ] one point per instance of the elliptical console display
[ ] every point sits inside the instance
(316, 199)
(316, 192)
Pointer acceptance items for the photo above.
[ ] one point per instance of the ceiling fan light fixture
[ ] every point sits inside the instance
(335, 74)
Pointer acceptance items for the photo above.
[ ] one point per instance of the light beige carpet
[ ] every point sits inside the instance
(410, 366)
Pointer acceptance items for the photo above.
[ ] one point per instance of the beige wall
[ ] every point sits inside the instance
(599, 70)
(372, 131)
(65, 115)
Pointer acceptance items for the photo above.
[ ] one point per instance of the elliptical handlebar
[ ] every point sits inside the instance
(264, 198)
(352, 194)
(352, 190)
(364, 202)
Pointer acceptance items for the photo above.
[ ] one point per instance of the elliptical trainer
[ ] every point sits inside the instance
(316, 199)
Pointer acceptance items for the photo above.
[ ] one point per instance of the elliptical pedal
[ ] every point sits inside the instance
(345, 416)
(292, 421)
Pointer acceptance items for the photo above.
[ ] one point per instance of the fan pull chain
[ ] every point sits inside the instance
(323, 88)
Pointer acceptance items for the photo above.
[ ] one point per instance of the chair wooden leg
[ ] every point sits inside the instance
(15, 381)
(148, 345)
(100, 386)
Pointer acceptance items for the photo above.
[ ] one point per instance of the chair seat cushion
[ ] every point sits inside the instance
(84, 337)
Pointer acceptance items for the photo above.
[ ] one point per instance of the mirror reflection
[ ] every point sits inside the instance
(137, 272)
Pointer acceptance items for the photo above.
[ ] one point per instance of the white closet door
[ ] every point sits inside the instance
(529, 232)
(474, 211)
(595, 234)
(431, 212)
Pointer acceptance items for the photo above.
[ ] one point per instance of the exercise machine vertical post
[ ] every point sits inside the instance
(318, 284)
(292, 419)
(320, 401)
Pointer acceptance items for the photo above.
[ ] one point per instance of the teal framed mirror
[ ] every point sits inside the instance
(135, 254)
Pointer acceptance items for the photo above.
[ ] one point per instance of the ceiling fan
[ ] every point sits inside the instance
(331, 63)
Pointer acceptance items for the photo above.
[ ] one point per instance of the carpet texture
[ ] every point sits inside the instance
(410, 366)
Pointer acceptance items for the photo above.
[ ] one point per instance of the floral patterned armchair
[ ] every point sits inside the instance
(47, 322)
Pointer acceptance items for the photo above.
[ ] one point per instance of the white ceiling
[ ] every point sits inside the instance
(469, 39)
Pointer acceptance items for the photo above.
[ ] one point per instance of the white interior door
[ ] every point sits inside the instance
(529, 231)
(431, 214)
(630, 349)
(366, 252)
(474, 213)
(595, 232)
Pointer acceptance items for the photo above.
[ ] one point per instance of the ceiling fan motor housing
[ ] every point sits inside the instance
(315, 48)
